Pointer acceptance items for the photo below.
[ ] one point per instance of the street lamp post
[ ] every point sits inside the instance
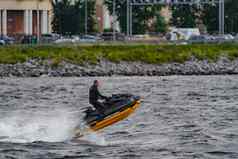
(131, 20)
(38, 21)
(114, 20)
(128, 17)
(86, 17)
(221, 17)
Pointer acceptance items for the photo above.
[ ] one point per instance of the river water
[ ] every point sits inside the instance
(181, 117)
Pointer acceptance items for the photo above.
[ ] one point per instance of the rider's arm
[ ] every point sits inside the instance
(100, 95)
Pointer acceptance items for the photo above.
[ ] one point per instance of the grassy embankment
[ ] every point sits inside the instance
(92, 53)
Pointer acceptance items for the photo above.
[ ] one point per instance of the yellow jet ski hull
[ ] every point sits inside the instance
(114, 118)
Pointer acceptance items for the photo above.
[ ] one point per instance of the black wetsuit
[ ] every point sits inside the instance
(94, 96)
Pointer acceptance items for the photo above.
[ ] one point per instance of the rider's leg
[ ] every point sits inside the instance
(99, 107)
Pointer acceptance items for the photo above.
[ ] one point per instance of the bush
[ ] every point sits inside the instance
(81, 54)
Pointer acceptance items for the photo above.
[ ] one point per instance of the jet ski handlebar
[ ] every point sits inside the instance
(119, 97)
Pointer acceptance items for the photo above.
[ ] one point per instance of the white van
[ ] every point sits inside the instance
(183, 33)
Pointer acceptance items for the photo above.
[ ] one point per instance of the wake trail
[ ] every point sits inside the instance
(58, 126)
(25, 128)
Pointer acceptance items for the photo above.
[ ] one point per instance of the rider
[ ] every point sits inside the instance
(95, 95)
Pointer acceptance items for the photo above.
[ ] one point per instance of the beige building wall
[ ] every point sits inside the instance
(25, 4)
(15, 13)
(99, 2)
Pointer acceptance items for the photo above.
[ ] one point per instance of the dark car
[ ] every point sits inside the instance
(29, 39)
(108, 36)
(49, 38)
(7, 39)
(2, 42)
(89, 39)
(201, 39)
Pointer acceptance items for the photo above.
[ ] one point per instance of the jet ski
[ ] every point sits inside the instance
(117, 108)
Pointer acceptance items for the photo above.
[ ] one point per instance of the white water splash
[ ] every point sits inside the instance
(95, 138)
(85, 134)
(51, 127)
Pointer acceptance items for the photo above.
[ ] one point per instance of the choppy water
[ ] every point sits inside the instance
(180, 118)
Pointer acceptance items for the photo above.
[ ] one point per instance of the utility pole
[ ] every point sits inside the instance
(128, 18)
(38, 21)
(0, 23)
(114, 20)
(221, 17)
(86, 17)
(131, 20)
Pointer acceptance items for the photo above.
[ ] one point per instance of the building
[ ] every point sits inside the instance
(24, 17)
(103, 16)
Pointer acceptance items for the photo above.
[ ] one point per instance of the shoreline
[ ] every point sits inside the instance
(39, 68)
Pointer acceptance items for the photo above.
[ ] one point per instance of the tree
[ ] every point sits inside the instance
(210, 18)
(207, 14)
(231, 16)
(91, 21)
(141, 15)
(69, 18)
(184, 16)
(121, 9)
(59, 7)
(160, 25)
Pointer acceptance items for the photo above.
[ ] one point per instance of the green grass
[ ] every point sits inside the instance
(81, 54)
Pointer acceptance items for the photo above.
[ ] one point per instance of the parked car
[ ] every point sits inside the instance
(224, 38)
(236, 38)
(229, 37)
(108, 36)
(75, 38)
(29, 39)
(89, 39)
(49, 38)
(7, 39)
(182, 33)
(200, 39)
(2, 42)
(63, 40)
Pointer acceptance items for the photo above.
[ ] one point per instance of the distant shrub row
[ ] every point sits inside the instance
(81, 54)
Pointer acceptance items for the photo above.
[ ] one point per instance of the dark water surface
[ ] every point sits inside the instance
(181, 117)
